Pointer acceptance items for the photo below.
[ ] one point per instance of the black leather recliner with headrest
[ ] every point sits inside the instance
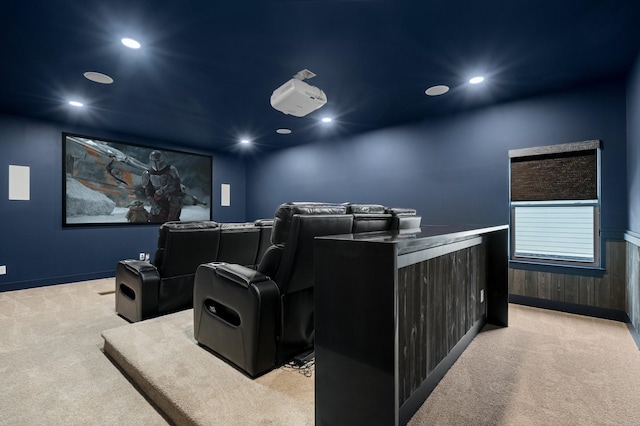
(260, 319)
(369, 217)
(148, 289)
(239, 243)
(404, 218)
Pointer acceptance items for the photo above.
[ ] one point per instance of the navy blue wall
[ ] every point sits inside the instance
(633, 148)
(455, 169)
(36, 249)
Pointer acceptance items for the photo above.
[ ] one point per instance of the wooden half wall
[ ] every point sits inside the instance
(633, 282)
(608, 291)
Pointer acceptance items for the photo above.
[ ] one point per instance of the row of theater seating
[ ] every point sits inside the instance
(260, 319)
(164, 285)
(231, 259)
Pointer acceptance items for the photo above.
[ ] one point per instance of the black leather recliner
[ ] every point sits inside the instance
(239, 243)
(404, 218)
(146, 290)
(369, 217)
(261, 319)
(266, 227)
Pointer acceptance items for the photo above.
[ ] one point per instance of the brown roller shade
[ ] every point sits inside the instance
(559, 176)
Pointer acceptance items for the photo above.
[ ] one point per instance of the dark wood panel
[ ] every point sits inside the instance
(531, 283)
(587, 290)
(557, 287)
(386, 318)
(438, 303)
(434, 314)
(633, 284)
(483, 273)
(617, 269)
(544, 285)
(608, 291)
(516, 281)
(572, 288)
(603, 288)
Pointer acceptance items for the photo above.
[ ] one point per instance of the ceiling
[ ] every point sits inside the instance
(206, 69)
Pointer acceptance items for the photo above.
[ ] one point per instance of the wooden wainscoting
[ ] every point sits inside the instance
(608, 291)
(633, 284)
(438, 303)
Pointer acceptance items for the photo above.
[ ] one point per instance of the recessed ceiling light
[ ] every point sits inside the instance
(245, 141)
(98, 77)
(327, 119)
(437, 90)
(283, 131)
(130, 43)
(476, 80)
(76, 104)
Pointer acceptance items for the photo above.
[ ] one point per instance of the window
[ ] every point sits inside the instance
(555, 204)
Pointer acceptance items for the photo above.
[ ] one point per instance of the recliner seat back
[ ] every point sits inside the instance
(182, 247)
(289, 263)
(266, 228)
(239, 243)
(369, 217)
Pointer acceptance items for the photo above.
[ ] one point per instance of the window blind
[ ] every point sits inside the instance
(555, 232)
(559, 176)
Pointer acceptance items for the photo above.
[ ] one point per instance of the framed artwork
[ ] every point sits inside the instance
(107, 182)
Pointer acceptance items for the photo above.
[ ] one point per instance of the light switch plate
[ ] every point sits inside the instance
(3, 269)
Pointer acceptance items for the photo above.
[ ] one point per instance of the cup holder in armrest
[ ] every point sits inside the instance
(223, 312)
(127, 291)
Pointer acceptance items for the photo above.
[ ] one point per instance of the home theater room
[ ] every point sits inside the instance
(306, 212)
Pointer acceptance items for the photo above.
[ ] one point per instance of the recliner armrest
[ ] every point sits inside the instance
(140, 267)
(239, 274)
(137, 287)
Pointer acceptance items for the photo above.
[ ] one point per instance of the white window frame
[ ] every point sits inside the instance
(555, 246)
(556, 231)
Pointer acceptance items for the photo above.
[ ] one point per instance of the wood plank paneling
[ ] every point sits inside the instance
(438, 303)
(557, 287)
(608, 291)
(544, 285)
(531, 283)
(633, 284)
(572, 288)
(516, 281)
(617, 269)
(586, 287)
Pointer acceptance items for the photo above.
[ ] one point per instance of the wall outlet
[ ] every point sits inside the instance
(3, 269)
(141, 256)
(482, 296)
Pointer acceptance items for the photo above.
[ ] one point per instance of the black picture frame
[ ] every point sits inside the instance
(108, 182)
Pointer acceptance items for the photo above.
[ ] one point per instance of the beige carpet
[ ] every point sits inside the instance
(52, 369)
(192, 386)
(546, 368)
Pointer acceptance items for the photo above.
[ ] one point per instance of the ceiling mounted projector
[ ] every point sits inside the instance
(298, 98)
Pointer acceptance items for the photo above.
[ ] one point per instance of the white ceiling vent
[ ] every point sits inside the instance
(296, 97)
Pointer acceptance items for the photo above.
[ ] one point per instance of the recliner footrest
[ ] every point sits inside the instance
(235, 315)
